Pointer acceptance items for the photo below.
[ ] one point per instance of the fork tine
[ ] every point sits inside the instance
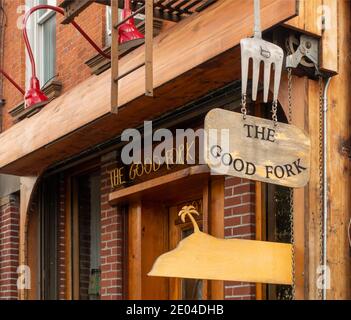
(267, 79)
(244, 71)
(255, 77)
(277, 76)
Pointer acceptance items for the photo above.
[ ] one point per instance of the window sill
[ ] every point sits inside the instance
(98, 64)
(52, 90)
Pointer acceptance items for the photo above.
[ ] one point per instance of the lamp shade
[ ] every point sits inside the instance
(128, 31)
(34, 95)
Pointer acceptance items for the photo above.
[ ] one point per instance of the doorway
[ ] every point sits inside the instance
(154, 228)
(185, 289)
(86, 236)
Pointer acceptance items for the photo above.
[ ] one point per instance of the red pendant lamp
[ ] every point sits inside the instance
(128, 31)
(34, 96)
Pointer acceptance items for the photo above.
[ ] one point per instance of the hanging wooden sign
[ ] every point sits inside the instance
(201, 256)
(256, 149)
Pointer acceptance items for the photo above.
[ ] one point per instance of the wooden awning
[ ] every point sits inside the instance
(197, 55)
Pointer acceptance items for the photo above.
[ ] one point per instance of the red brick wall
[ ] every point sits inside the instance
(9, 241)
(14, 59)
(84, 236)
(112, 237)
(72, 50)
(61, 243)
(239, 215)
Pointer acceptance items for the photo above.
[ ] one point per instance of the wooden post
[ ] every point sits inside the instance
(301, 211)
(134, 251)
(260, 211)
(114, 57)
(216, 226)
(339, 100)
(149, 18)
(26, 191)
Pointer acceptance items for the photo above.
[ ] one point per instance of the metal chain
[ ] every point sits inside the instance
(290, 95)
(291, 202)
(274, 112)
(321, 187)
(243, 106)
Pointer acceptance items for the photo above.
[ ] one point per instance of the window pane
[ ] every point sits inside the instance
(191, 288)
(49, 49)
(42, 12)
(89, 236)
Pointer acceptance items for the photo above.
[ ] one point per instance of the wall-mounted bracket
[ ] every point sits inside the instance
(308, 48)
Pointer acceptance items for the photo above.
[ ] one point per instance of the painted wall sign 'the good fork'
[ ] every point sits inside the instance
(255, 149)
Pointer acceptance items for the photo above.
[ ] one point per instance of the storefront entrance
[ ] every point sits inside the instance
(161, 231)
(154, 228)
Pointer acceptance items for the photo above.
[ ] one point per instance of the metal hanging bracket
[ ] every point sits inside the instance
(309, 48)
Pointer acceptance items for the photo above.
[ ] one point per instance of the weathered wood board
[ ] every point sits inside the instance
(255, 149)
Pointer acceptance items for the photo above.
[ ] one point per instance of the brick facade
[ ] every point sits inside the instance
(72, 50)
(9, 242)
(61, 241)
(14, 59)
(239, 222)
(112, 237)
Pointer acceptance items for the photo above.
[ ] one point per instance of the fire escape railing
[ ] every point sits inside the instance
(172, 10)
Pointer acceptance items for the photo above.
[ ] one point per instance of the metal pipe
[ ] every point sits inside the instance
(257, 13)
(325, 185)
(2, 38)
(6, 75)
(61, 11)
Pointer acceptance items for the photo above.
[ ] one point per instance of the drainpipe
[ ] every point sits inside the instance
(325, 183)
(2, 34)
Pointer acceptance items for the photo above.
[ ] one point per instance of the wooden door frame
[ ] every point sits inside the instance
(71, 216)
(175, 235)
(213, 202)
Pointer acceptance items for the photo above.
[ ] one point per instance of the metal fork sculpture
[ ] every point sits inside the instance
(259, 51)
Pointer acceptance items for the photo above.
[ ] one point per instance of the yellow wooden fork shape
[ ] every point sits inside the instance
(202, 256)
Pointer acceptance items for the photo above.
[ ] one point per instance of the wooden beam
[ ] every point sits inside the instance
(114, 57)
(307, 20)
(122, 195)
(149, 52)
(183, 71)
(329, 46)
